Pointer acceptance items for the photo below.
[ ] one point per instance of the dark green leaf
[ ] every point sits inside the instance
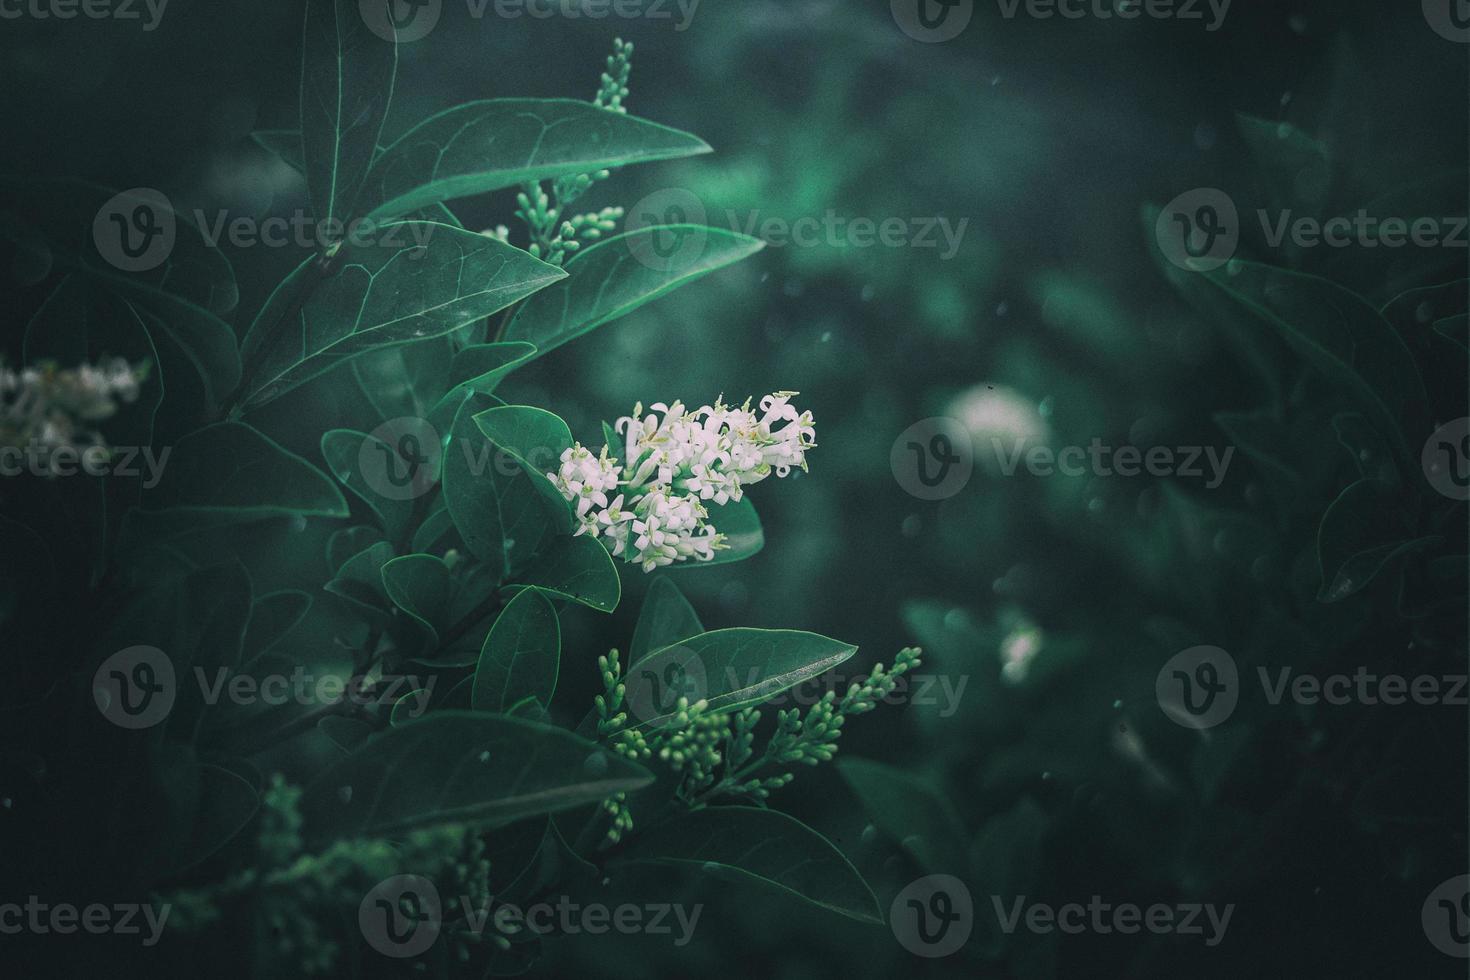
(910, 811)
(272, 616)
(420, 586)
(1358, 537)
(736, 843)
(741, 526)
(731, 668)
(522, 655)
(536, 438)
(462, 767)
(1340, 335)
(485, 146)
(347, 75)
(577, 568)
(481, 367)
(613, 278)
(501, 517)
(415, 280)
(69, 217)
(343, 450)
(666, 618)
(232, 471)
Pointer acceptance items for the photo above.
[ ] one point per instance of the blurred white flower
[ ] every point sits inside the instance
(43, 408)
(1000, 421)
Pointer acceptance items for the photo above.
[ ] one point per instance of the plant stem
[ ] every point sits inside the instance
(456, 632)
(321, 270)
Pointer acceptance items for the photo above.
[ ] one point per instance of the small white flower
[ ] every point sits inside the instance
(650, 510)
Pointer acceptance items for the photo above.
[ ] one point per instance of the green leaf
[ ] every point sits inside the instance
(347, 75)
(1296, 167)
(345, 733)
(343, 450)
(349, 541)
(406, 380)
(741, 526)
(1369, 449)
(1358, 538)
(481, 367)
(611, 279)
(190, 339)
(360, 581)
(284, 143)
(413, 281)
(212, 803)
(1262, 437)
(501, 517)
(731, 668)
(409, 707)
(67, 218)
(536, 439)
(1340, 335)
(666, 618)
(908, 810)
(231, 471)
(272, 617)
(736, 843)
(462, 767)
(485, 146)
(420, 586)
(577, 568)
(521, 657)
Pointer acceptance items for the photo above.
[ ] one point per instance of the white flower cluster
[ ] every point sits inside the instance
(46, 408)
(650, 510)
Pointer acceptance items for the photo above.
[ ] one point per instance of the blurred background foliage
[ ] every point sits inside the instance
(1057, 598)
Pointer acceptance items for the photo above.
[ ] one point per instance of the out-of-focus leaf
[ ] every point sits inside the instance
(767, 847)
